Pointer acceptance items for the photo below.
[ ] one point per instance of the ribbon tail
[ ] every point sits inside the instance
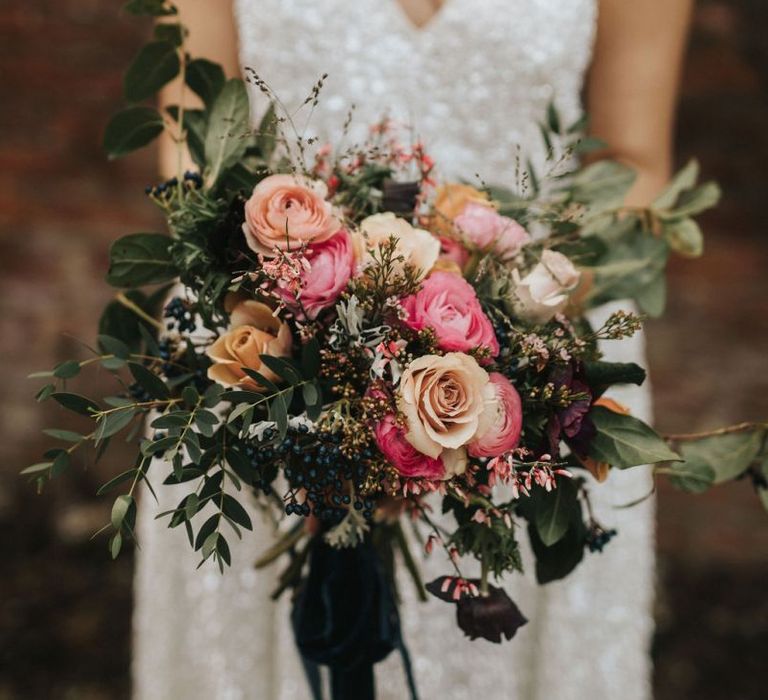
(314, 680)
(408, 667)
(356, 683)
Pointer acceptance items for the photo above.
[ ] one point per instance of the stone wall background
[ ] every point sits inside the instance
(65, 607)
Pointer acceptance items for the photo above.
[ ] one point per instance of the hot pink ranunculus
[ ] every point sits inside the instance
(285, 212)
(484, 227)
(331, 264)
(408, 461)
(447, 303)
(503, 433)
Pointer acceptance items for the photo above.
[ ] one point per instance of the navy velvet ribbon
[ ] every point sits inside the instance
(345, 617)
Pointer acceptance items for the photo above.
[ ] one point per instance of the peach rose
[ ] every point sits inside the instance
(419, 248)
(254, 331)
(285, 212)
(444, 401)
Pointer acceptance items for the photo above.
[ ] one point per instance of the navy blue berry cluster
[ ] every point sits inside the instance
(598, 537)
(191, 181)
(180, 316)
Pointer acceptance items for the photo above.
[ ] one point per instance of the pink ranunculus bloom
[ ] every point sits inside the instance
(331, 264)
(452, 251)
(484, 227)
(286, 212)
(403, 456)
(503, 431)
(447, 303)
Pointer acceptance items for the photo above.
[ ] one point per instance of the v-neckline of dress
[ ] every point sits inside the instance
(411, 26)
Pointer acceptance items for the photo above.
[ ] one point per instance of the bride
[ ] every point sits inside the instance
(474, 78)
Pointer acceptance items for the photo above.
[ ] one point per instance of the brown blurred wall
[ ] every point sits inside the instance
(65, 607)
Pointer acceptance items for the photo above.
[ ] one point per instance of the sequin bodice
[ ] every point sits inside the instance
(473, 83)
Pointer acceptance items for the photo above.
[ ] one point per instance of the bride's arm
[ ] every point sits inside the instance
(212, 36)
(633, 83)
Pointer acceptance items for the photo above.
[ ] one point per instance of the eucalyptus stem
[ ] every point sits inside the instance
(143, 315)
(727, 430)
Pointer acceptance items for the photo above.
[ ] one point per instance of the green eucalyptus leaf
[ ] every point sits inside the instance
(155, 65)
(66, 435)
(602, 185)
(139, 259)
(76, 402)
(112, 423)
(206, 79)
(120, 508)
(151, 8)
(114, 346)
(694, 201)
(652, 298)
(67, 370)
(37, 468)
(115, 544)
(685, 179)
(45, 393)
(131, 129)
(728, 455)
(624, 441)
(149, 381)
(171, 33)
(60, 463)
(225, 142)
(555, 511)
(684, 237)
(232, 508)
(127, 475)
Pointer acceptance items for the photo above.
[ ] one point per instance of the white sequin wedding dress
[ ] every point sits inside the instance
(474, 82)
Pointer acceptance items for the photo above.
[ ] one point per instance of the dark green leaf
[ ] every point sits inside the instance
(131, 129)
(177, 419)
(60, 463)
(149, 381)
(170, 33)
(155, 65)
(559, 560)
(206, 79)
(76, 402)
(310, 359)
(139, 259)
(222, 549)
(261, 379)
(67, 370)
(115, 544)
(555, 511)
(66, 435)
(151, 8)
(624, 441)
(127, 475)
(112, 423)
(225, 142)
(281, 367)
(695, 475)
(45, 393)
(601, 375)
(234, 510)
(553, 119)
(728, 455)
(114, 346)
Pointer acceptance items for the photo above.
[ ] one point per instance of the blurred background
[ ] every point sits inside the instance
(65, 607)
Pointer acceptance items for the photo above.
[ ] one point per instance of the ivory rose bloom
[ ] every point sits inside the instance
(254, 331)
(503, 433)
(443, 399)
(418, 248)
(285, 212)
(544, 291)
(482, 226)
(331, 264)
(447, 303)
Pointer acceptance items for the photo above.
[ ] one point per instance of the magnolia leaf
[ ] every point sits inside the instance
(560, 559)
(624, 441)
(685, 179)
(131, 129)
(225, 142)
(685, 237)
(554, 511)
(206, 79)
(728, 455)
(139, 259)
(155, 65)
(694, 475)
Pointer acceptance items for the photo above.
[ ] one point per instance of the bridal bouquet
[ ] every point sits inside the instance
(368, 349)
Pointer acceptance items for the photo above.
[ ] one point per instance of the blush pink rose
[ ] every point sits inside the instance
(331, 264)
(505, 423)
(403, 456)
(285, 212)
(485, 228)
(447, 303)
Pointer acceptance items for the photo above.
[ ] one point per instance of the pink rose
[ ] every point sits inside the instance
(503, 432)
(447, 303)
(403, 456)
(331, 264)
(285, 212)
(484, 227)
(452, 251)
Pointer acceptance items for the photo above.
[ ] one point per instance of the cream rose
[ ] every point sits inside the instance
(418, 248)
(444, 400)
(544, 291)
(254, 331)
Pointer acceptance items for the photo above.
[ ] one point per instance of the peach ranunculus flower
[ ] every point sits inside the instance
(419, 248)
(285, 212)
(545, 290)
(254, 331)
(444, 400)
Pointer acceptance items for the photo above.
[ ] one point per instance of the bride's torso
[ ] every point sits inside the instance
(474, 82)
